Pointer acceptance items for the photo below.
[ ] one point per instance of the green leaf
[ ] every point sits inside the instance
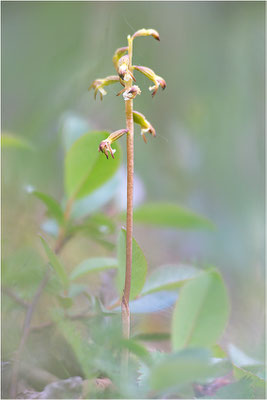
(169, 277)
(257, 383)
(170, 215)
(201, 312)
(139, 266)
(8, 140)
(53, 207)
(186, 366)
(55, 264)
(65, 302)
(152, 337)
(93, 265)
(153, 302)
(85, 168)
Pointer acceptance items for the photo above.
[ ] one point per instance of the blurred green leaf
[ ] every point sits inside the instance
(186, 366)
(201, 312)
(151, 337)
(137, 349)
(85, 168)
(73, 336)
(23, 271)
(257, 383)
(72, 127)
(97, 199)
(65, 302)
(170, 215)
(153, 302)
(51, 227)
(236, 390)
(168, 277)
(218, 352)
(139, 266)
(93, 265)
(53, 207)
(240, 359)
(55, 264)
(8, 140)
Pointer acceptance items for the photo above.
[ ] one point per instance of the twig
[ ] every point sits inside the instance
(15, 297)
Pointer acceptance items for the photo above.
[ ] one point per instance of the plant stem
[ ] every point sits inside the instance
(129, 224)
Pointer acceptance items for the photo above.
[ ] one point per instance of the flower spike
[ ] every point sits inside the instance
(150, 74)
(146, 126)
(98, 85)
(105, 145)
(146, 32)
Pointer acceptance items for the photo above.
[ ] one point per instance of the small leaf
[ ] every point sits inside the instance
(65, 302)
(186, 366)
(55, 264)
(169, 277)
(93, 265)
(151, 337)
(85, 168)
(8, 140)
(139, 266)
(153, 302)
(201, 312)
(53, 207)
(170, 215)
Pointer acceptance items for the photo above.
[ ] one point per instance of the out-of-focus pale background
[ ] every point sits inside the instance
(209, 151)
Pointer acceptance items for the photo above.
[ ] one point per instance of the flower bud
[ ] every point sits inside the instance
(105, 145)
(123, 69)
(99, 84)
(146, 126)
(118, 54)
(150, 74)
(129, 94)
(146, 32)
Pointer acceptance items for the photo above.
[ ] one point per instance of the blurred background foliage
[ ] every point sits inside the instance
(208, 154)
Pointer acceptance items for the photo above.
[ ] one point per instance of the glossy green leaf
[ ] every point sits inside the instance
(85, 168)
(139, 265)
(201, 311)
(55, 264)
(169, 277)
(53, 207)
(170, 215)
(186, 366)
(8, 140)
(93, 265)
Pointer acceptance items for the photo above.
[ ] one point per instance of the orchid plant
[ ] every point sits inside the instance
(122, 61)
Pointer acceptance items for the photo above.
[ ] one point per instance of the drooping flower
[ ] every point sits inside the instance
(131, 93)
(123, 69)
(150, 74)
(105, 145)
(145, 125)
(98, 85)
(118, 54)
(146, 32)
